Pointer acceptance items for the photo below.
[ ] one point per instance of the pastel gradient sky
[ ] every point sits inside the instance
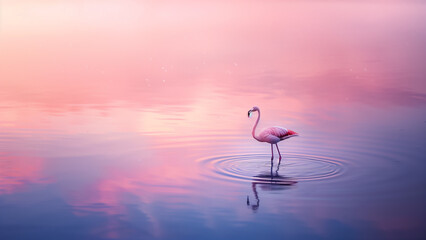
(67, 56)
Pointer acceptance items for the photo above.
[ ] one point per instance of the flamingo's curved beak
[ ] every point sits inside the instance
(249, 113)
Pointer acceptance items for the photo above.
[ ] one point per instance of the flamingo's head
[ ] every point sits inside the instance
(254, 109)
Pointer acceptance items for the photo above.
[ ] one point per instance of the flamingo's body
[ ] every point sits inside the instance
(274, 135)
(271, 135)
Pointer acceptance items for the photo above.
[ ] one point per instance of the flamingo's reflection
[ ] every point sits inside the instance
(268, 182)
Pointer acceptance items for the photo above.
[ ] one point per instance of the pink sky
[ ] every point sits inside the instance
(95, 57)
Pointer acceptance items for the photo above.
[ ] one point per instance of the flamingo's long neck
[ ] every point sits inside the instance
(253, 132)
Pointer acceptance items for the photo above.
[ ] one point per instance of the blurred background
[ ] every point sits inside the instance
(128, 119)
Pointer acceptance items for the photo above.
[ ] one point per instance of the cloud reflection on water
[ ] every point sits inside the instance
(18, 172)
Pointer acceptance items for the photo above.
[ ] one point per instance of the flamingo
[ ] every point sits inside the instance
(271, 135)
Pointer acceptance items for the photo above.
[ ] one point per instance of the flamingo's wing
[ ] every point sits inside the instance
(277, 133)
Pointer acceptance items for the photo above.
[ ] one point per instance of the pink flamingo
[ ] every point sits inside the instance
(271, 135)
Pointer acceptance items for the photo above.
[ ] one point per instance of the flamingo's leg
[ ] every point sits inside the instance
(272, 158)
(278, 150)
(279, 162)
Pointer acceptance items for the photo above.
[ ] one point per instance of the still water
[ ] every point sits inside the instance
(128, 120)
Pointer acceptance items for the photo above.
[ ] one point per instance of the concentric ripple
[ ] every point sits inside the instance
(294, 167)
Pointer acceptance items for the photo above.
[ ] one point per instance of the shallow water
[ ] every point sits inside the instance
(132, 123)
